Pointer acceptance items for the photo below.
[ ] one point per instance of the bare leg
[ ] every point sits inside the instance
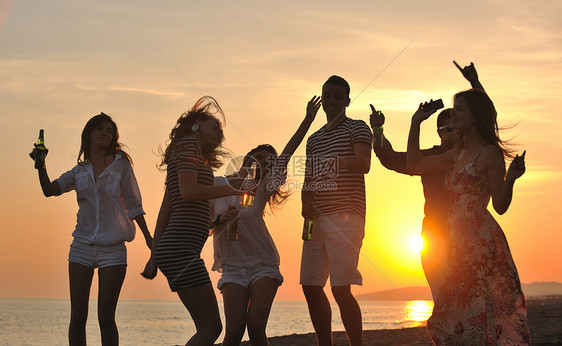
(320, 313)
(235, 299)
(202, 305)
(80, 278)
(432, 260)
(350, 314)
(110, 283)
(262, 293)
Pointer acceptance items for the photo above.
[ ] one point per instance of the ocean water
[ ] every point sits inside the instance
(45, 321)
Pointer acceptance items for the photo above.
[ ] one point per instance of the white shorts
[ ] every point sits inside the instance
(96, 256)
(246, 276)
(333, 251)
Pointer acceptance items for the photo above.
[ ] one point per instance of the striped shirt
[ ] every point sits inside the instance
(336, 190)
(178, 251)
(195, 213)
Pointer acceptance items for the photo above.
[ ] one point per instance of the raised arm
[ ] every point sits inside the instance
(389, 158)
(469, 72)
(377, 121)
(49, 187)
(501, 184)
(415, 161)
(298, 136)
(307, 193)
(296, 140)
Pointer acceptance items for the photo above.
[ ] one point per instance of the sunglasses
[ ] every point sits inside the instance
(447, 129)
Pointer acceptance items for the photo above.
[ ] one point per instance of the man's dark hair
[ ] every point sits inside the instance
(444, 115)
(337, 80)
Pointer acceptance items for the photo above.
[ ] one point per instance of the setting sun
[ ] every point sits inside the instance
(417, 243)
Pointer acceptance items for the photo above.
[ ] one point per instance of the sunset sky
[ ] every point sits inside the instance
(145, 62)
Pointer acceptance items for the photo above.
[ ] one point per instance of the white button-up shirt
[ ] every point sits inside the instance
(106, 208)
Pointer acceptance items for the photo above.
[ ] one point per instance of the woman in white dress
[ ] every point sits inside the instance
(250, 265)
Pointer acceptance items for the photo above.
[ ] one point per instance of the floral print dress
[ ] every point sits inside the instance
(480, 301)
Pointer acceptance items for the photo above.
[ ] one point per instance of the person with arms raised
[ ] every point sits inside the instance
(480, 300)
(249, 265)
(436, 206)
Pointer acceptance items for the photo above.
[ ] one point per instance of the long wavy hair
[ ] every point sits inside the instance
(204, 109)
(483, 111)
(114, 147)
(279, 196)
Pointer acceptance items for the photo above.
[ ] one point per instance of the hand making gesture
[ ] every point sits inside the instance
(312, 107)
(469, 72)
(421, 115)
(377, 117)
(517, 167)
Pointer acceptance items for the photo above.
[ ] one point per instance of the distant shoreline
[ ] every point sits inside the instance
(545, 321)
(533, 290)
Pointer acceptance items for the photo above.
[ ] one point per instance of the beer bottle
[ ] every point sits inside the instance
(307, 229)
(378, 135)
(232, 230)
(247, 199)
(40, 151)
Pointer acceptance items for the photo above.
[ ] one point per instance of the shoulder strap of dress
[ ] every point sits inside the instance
(477, 155)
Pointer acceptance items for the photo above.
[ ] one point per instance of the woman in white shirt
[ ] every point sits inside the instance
(250, 265)
(108, 199)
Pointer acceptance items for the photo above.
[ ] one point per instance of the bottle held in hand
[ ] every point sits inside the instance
(378, 134)
(40, 152)
(232, 230)
(307, 229)
(247, 199)
(377, 121)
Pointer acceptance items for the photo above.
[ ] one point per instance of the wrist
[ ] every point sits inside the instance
(217, 220)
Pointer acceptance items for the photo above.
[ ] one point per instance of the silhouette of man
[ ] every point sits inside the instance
(436, 205)
(338, 156)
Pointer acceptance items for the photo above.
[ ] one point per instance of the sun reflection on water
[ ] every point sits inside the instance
(416, 312)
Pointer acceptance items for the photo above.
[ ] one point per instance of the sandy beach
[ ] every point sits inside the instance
(545, 319)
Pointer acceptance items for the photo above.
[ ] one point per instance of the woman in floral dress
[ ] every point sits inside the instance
(480, 301)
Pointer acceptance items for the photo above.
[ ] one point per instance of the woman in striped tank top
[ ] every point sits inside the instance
(184, 218)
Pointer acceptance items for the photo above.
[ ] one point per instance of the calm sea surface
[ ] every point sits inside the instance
(45, 321)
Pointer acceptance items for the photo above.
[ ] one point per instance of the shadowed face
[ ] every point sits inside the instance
(461, 116)
(102, 135)
(334, 100)
(211, 130)
(449, 136)
(445, 131)
(263, 158)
